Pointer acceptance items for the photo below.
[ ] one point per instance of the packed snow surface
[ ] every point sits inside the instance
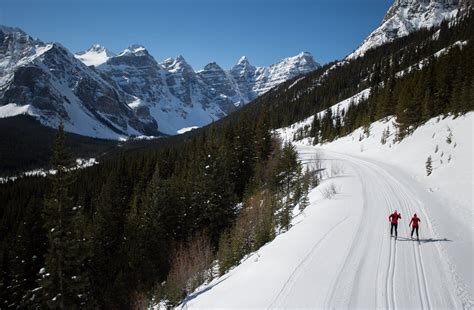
(339, 254)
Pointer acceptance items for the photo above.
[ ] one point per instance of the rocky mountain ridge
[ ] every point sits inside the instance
(179, 97)
(101, 94)
(407, 16)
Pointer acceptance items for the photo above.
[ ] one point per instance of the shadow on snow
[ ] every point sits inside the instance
(427, 240)
(196, 294)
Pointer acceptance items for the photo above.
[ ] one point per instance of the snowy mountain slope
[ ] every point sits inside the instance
(126, 94)
(95, 55)
(222, 87)
(406, 16)
(255, 81)
(170, 94)
(267, 78)
(177, 97)
(340, 254)
(51, 84)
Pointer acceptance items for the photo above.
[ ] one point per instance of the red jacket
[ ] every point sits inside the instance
(414, 221)
(393, 218)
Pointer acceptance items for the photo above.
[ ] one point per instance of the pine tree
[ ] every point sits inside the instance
(285, 180)
(64, 279)
(224, 254)
(304, 202)
(327, 126)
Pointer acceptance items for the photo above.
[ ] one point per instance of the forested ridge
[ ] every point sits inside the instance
(337, 81)
(120, 227)
(150, 224)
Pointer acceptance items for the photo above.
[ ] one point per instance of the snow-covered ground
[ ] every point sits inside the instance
(340, 253)
(81, 163)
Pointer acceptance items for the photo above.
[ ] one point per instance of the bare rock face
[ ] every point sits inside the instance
(406, 16)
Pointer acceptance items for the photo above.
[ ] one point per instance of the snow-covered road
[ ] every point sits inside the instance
(340, 254)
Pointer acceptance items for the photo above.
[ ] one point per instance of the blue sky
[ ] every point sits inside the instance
(203, 30)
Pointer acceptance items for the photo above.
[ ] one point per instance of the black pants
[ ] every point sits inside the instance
(392, 227)
(413, 229)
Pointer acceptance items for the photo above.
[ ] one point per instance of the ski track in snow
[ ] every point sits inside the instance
(352, 262)
(287, 287)
(403, 265)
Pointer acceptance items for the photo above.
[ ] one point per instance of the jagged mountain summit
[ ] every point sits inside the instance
(407, 16)
(95, 55)
(49, 83)
(255, 81)
(101, 94)
(171, 93)
(176, 96)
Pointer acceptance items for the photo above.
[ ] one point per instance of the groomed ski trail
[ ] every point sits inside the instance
(411, 280)
(342, 256)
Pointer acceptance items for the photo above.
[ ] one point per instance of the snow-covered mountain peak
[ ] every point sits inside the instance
(16, 48)
(267, 78)
(177, 65)
(8, 29)
(96, 48)
(15, 35)
(243, 66)
(304, 54)
(95, 55)
(212, 66)
(407, 16)
(134, 50)
(304, 61)
(243, 61)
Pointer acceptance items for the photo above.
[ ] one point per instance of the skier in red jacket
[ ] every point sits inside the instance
(414, 225)
(393, 218)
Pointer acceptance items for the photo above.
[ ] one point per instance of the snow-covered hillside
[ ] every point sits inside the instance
(407, 16)
(340, 253)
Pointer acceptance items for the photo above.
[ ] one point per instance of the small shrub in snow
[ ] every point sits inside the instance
(442, 154)
(385, 135)
(449, 158)
(336, 169)
(449, 138)
(190, 266)
(367, 131)
(455, 144)
(330, 191)
(436, 148)
(429, 166)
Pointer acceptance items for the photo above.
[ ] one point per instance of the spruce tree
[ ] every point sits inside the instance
(304, 201)
(64, 280)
